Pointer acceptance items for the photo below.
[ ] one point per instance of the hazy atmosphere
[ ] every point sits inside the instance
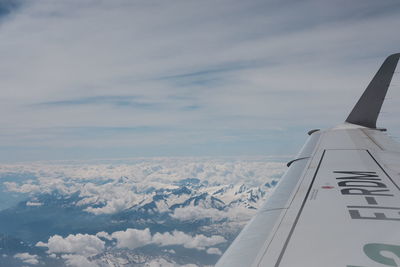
(103, 79)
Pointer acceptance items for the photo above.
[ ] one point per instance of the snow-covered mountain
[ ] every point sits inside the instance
(169, 212)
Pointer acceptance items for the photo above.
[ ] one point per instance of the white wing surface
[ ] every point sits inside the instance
(338, 203)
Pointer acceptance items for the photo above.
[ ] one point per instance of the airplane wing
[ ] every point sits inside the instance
(338, 203)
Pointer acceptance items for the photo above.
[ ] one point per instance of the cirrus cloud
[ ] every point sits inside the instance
(148, 84)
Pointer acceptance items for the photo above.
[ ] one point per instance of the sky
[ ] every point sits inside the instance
(86, 79)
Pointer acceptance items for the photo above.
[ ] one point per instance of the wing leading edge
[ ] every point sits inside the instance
(338, 204)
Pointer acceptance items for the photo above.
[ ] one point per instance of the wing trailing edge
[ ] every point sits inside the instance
(366, 111)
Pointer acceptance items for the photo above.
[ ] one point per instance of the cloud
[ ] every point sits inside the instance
(78, 261)
(196, 213)
(76, 248)
(132, 238)
(112, 186)
(136, 181)
(33, 204)
(215, 251)
(120, 201)
(116, 101)
(82, 244)
(180, 238)
(249, 66)
(24, 188)
(161, 263)
(27, 258)
(165, 263)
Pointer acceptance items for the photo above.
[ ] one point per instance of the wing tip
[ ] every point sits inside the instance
(394, 55)
(366, 111)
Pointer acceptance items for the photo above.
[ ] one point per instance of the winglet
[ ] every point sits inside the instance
(366, 111)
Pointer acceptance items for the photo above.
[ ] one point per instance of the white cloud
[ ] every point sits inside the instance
(82, 244)
(27, 258)
(118, 198)
(180, 238)
(165, 263)
(33, 204)
(160, 263)
(24, 188)
(195, 213)
(78, 261)
(215, 251)
(132, 238)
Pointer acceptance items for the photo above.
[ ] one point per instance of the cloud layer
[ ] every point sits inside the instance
(91, 78)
